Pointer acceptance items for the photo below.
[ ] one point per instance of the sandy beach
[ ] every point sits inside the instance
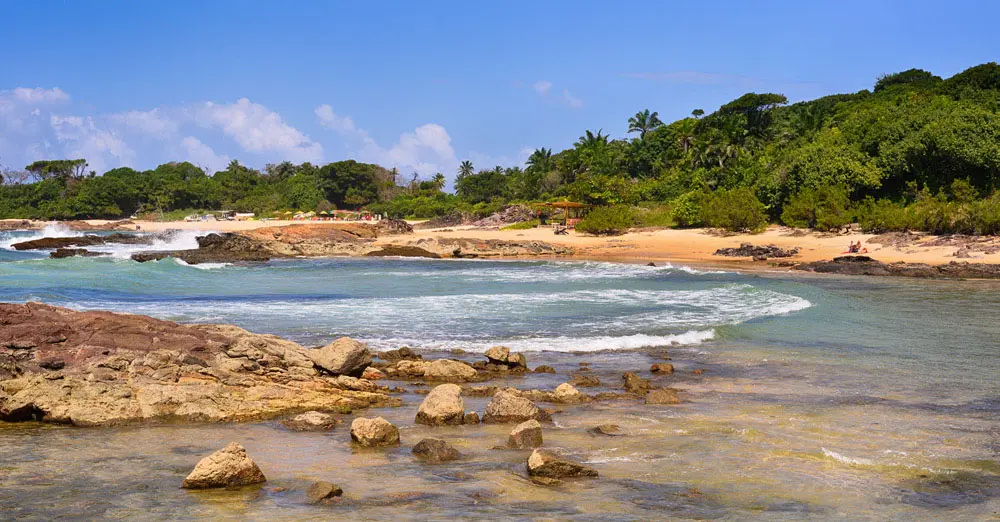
(690, 246)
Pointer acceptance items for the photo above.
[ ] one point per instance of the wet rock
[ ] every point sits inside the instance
(635, 384)
(584, 381)
(345, 356)
(544, 369)
(543, 463)
(61, 253)
(864, 265)
(699, 371)
(228, 467)
(508, 407)
(502, 355)
(403, 251)
(526, 435)
(311, 421)
(402, 354)
(320, 491)
(565, 392)
(442, 406)
(664, 368)
(545, 481)
(374, 432)
(759, 253)
(663, 396)
(372, 374)
(471, 418)
(435, 451)
(609, 430)
(217, 248)
(449, 371)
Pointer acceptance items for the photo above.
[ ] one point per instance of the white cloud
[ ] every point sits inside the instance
(259, 129)
(330, 120)
(571, 100)
(542, 87)
(84, 139)
(40, 95)
(202, 155)
(155, 122)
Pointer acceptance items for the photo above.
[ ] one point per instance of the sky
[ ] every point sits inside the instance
(421, 86)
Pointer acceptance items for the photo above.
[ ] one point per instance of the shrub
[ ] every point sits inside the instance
(658, 215)
(736, 210)
(523, 225)
(823, 208)
(686, 209)
(607, 221)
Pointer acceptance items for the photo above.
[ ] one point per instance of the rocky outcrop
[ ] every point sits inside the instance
(507, 406)
(53, 243)
(443, 406)
(101, 368)
(864, 265)
(312, 421)
(389, 226)
(62, 253)
(758, 253)
(374, 432)
(217, 248)
(526, 435)
(344, 356)
(402, 251)
(435, 451)
(228, 467)
(544, 463)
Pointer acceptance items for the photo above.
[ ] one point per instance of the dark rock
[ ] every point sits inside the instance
(402, 251)
(320, 491)
(865, 265)
(526, 435)
(61, 253)
(435, 451)
(544, 369)
(216, 248)
(758, 253)
(471, 418)
(610, 430)
(666, 368)
(635, 384)
(53, 364)
(404, 353)
(584, 381)
(542, 463)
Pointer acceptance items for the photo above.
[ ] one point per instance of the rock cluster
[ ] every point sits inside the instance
(864, 265)
(759, 253)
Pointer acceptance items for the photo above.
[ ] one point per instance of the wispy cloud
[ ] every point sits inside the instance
(571, 100)
(542, 87)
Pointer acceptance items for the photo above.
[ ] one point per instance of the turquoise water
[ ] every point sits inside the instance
(841, 397)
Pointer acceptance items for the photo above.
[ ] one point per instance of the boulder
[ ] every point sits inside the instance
(442, 406)
(228, 467)
(503, 356)
(435, 451)
(565, 392)
(635, 384)
(345, 356)
(320, 491)
(374, 432)
(545, 369)
(542, 463)
(449, 371)
(584, 381)
(663, 396)
(471, 418)
(665, 368)
(311, 421)
(372, 374)
(507, 407)
(526, 435)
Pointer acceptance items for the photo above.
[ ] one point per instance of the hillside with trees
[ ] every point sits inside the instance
(915, 152)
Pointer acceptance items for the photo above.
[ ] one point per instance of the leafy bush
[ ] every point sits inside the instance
(654, 215)
(607, 221)
(686, 209)
(736, 210)
(523, 225)
(877, 217)
(824, 208)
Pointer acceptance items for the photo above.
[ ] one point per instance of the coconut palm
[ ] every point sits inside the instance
(438, 180)
(466, 168)
(644, 122)
(591, 140)
(540, 159)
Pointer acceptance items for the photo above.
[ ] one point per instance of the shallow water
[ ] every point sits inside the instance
(826, 398)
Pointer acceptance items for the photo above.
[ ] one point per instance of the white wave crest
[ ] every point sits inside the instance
(203, 266)
(555, 344)
(847, 460)
(53, 230)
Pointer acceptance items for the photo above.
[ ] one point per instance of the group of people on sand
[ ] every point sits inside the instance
(855, 248)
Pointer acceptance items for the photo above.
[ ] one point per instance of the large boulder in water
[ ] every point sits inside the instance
(374, 432)
(449, 371)
(542, 463)
(442, 406)
(526, 435)
(508, 407)
(345, 356)
(228, 467)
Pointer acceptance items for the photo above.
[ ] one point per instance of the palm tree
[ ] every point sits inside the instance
(466, 168)
(540, 159)
(438, 180)
(590, 140)
(644, 122)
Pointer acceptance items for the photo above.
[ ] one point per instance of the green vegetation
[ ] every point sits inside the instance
(608, 220)
(917, 152)
(523, 225)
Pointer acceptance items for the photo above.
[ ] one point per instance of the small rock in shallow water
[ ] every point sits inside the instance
(565, 392)
(311, 421)
(584, 381)
(545, 369)
(230, 466)
(435, 451)
(374, 432)
(542, 463)
(635, 384)
(663, 396)
(610, 430)
(471, 418)
(699, 371)
(320, 491)
(526, 435)
(442, 406)
(507, 407)
(666, 368)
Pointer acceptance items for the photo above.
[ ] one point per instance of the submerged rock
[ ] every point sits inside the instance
(663, 396)
(526, 435)
(584, 381)
(665, 368)
(542, 463)
(312, 421)
(228, 467)
(442, 406)
(635, 384)
(471, 418)
(435, 451)
(544, 368)
(374, 432)
(508, 407)
(320, 491)
(345, 356)
(610, 430)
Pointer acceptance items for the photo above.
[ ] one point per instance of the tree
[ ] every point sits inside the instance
(697, 113)
(589, 140)
(58, 169)
(756, 108)
(438, 180)
(644, 122)
(910, 76)
(466, 168)
(540, 160)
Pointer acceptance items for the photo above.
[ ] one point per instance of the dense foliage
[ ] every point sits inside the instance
(915, 152)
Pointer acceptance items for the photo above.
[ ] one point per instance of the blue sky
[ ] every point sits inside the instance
(424, 85)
